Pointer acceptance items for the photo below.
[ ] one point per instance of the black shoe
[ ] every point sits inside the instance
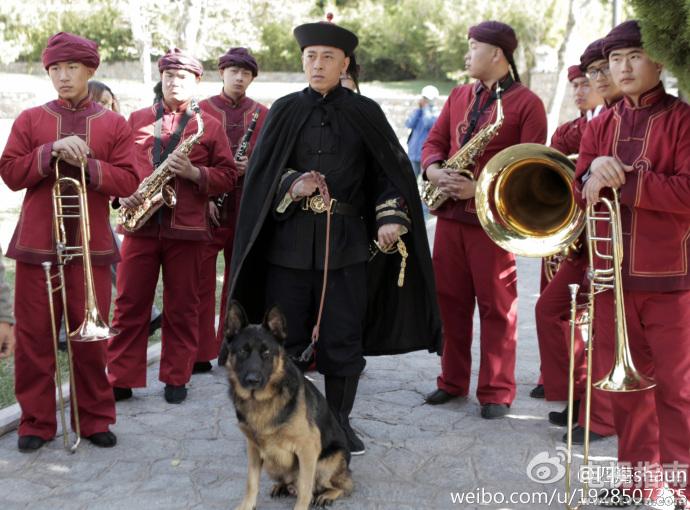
(353, 441)
(103, 439)
(492, 411)
(579, 436)
(28, 444)
(561, 419)
(614, 498)
(155, 324)
(121, 393)
(201, 367)
(439, 397)
(537, 391)
(175, 394)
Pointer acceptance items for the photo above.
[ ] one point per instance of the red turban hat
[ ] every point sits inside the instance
(496, 33)
(177, 59)
(66, 47)
(239, 57)
(575, 72)
(625, 35)
(593, 52)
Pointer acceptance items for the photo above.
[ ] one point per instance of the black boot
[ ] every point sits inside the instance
(561, 419)
(340, 394)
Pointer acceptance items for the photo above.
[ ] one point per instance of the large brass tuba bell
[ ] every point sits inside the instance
(525, 202)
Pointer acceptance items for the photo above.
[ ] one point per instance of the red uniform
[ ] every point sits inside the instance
(174, 239)
(235, 118)
(27, 164)
(552, 310)
(467, 263)
(654, 425)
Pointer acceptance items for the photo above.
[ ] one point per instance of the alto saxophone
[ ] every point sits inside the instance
(465, 157)
(154, 189)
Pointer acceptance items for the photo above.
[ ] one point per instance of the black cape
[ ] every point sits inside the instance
(398, 319)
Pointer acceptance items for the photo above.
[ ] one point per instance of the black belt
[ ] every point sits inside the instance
(316, 205)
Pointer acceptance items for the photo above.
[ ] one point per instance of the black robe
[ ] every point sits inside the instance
(398, 319)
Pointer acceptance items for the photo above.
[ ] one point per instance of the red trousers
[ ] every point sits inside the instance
(469, 266)
(209, 341)
(137, 276)
(552, 313)
(654, 425)
(602, 350)
(35, 357)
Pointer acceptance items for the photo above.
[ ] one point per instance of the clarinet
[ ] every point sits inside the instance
(241, 150)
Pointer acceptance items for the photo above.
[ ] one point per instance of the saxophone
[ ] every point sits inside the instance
(154, 189)
(465, 157)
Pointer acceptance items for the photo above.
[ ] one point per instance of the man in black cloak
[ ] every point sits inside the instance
(327, 132)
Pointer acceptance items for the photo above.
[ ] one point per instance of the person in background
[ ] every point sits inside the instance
(420, 122)
(6, 316)
(173, 238)
(350, 78)
(103, 95)
(552, 311)
(235, 111)
(596, 68)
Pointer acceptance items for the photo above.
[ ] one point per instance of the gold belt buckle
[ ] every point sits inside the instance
(316, 204)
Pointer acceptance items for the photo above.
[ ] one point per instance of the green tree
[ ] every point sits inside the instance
(30, 28)
(666, 35)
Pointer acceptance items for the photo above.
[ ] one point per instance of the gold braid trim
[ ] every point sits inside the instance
(399, 214)
(390, 203)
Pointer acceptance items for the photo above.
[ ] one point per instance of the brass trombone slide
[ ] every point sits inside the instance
(623, 376)
(93, 328)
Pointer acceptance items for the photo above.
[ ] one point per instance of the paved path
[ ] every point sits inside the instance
(192, 456)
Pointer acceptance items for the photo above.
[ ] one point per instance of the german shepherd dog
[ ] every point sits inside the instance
(290, 430)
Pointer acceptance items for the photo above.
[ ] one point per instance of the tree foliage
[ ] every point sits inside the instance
(400, 39)
(666, 35)
(25, 28)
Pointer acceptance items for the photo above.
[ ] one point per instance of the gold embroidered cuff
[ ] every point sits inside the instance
(399, 214)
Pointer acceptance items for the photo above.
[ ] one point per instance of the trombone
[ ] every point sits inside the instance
(525, 204)
(72, 205)
(623, 376)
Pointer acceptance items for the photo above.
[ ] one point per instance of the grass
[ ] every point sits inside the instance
(7, 366)
(415, 87)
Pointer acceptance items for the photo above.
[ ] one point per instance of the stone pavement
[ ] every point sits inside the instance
(192, 456)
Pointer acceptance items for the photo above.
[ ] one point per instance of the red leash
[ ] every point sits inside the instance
(326, 197)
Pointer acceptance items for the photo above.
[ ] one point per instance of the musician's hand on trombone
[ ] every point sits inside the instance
(241, 165)
(132, 201)
(72, 149)
(180, 165)
(6, 340)
(610, 171)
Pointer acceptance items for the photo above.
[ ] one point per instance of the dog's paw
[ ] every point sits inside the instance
(322, 501)
(282, 490)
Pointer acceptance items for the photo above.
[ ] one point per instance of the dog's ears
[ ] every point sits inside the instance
(275, 322)
(235, 320)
